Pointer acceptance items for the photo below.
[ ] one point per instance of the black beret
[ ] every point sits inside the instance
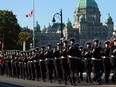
(49, 44)
(58, 44)
(96, 40)
(65, 41)
(114, 40)
(42, 46)
(77, 44)
(72, 39)
(88, 42)
(33, 50)
(80, 47)
(37, 48)
(107, 42)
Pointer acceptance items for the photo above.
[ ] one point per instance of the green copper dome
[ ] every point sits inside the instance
(87, 4)
(109, 17)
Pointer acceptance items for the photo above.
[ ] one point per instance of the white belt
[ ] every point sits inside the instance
(96, 59)
(104, 57)
(73, 57)
(56, 58)
(62, 57)
(88, 59)
(113, 56)
(41, 60)
(48, 59)
(34, 61)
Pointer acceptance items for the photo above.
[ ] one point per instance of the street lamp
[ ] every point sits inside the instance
(53, 20)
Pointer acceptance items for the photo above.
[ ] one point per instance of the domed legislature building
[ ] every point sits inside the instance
(87, 26)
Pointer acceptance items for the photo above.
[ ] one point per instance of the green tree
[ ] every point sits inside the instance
(24, 35)
(10, 28)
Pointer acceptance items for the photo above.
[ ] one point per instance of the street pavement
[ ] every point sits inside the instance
(14, 82)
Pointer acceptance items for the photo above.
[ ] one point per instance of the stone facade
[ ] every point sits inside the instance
(87, 26)
(50, 34)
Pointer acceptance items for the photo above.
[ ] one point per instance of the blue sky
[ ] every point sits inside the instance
(45, 9)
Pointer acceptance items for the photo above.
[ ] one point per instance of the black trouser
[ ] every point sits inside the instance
(29, 70)
(49, 67)
(6, 70)
(113, 62)
(82, 69)
(16, 68)
(12, 69)
(107, 69)
(20, 70)
(114, 75)
(97, 67)
(102, 68)
(9, 69)
(1, 69)
(32, 70)
(58, 69)
(74, 70)
(65, 69)
(88, 69)
(25, 72)
(43, 69)
(37, 69)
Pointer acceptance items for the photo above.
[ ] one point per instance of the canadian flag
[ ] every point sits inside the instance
(30, 14)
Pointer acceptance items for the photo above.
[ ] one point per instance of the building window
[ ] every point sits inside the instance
(99, 33)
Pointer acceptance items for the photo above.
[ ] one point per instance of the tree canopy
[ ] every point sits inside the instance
(10, 28)
(25, 36)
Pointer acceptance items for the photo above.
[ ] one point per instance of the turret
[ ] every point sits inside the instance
(49, 25)
(109, 19)
(110, 25)
(37, 27)
(44, 29)
(68, 24)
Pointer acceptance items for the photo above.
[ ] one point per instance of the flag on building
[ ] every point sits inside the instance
(30, 14)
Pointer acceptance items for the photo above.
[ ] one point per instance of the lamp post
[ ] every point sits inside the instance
(53, 20)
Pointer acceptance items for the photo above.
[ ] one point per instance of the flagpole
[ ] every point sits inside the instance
(33, 24)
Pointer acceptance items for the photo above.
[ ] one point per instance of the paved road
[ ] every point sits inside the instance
(13, 82)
